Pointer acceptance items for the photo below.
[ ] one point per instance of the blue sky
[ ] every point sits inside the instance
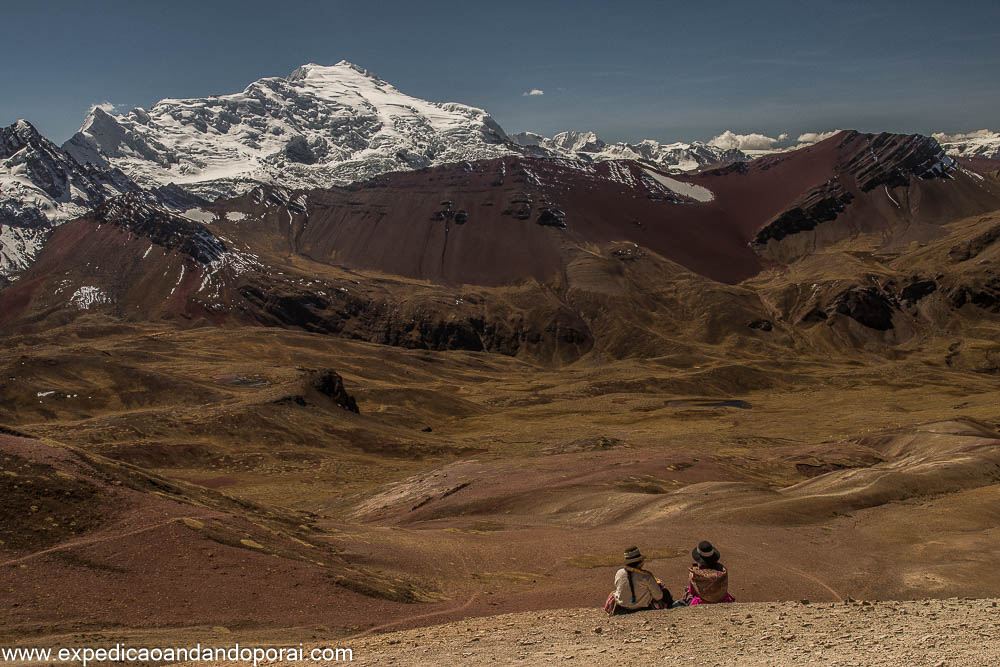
(628, 70)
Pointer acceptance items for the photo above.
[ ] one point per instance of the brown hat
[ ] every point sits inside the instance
(705, 553)
(633, 555)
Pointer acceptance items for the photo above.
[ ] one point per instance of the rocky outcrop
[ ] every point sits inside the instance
(136, 213)
(917, 289)
(971, 248)
(551, 217)
(892, 159)
(760, 325)
(419, 324)
(985, 294)
(820, 205)
(859, 197)
(321, 387)
(868, 306)
(329, 383)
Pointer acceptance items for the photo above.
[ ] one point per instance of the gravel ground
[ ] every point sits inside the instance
(928, 632)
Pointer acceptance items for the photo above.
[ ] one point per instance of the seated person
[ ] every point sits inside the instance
(635, 588)
(708, 578)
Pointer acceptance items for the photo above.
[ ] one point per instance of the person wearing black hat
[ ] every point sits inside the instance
(708, 579)
(636, 588)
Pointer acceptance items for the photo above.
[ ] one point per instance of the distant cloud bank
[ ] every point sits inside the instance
(815, 137)
(752, 141)
(534, 92)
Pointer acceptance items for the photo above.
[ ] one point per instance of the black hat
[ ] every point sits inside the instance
(705, 553)
(633, 556)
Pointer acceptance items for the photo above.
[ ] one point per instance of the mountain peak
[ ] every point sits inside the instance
(23, 130)
(16, 136)
(320, 125)
(576, 140)
(315, 71)
(24, 126)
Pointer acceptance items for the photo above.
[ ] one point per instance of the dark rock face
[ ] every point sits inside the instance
(985, 295)
(330, 384)
(519, 207)
(13, 213)
(551, 217)
(420, 328)
(177, 198)
(134, 212)
(820, 205)
(761, 325)
(966, 251)
(298, 150)
(867, 306)
(293, 310)
(740, 167)
(318, 387)
(813, 316)
(891, 159)
(917, 290)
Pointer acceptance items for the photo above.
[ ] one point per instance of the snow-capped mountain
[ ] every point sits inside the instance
(318, 127)
(677, 156)
(41, 185)
(978, 144)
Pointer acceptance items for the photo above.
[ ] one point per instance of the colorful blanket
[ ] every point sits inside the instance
(708, 586)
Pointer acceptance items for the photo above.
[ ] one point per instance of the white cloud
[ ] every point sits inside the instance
(532, 93)
(815, 137)
(752, 141)
(107, 107)
(943, 138)
(783, 136)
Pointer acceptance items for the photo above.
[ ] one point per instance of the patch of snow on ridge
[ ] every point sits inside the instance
(891, 198)
(199, 215)
(236, 216)
(696, 192)
(18, 247)
(88, 296)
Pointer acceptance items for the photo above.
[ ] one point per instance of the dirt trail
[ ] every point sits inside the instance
(929, 632)
(410, 619)
(788, 568)
(97, 539)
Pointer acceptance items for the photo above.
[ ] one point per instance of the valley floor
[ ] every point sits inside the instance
(177, 481)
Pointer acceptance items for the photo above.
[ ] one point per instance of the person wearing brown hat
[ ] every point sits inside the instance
(708, 579)
(636, 588)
